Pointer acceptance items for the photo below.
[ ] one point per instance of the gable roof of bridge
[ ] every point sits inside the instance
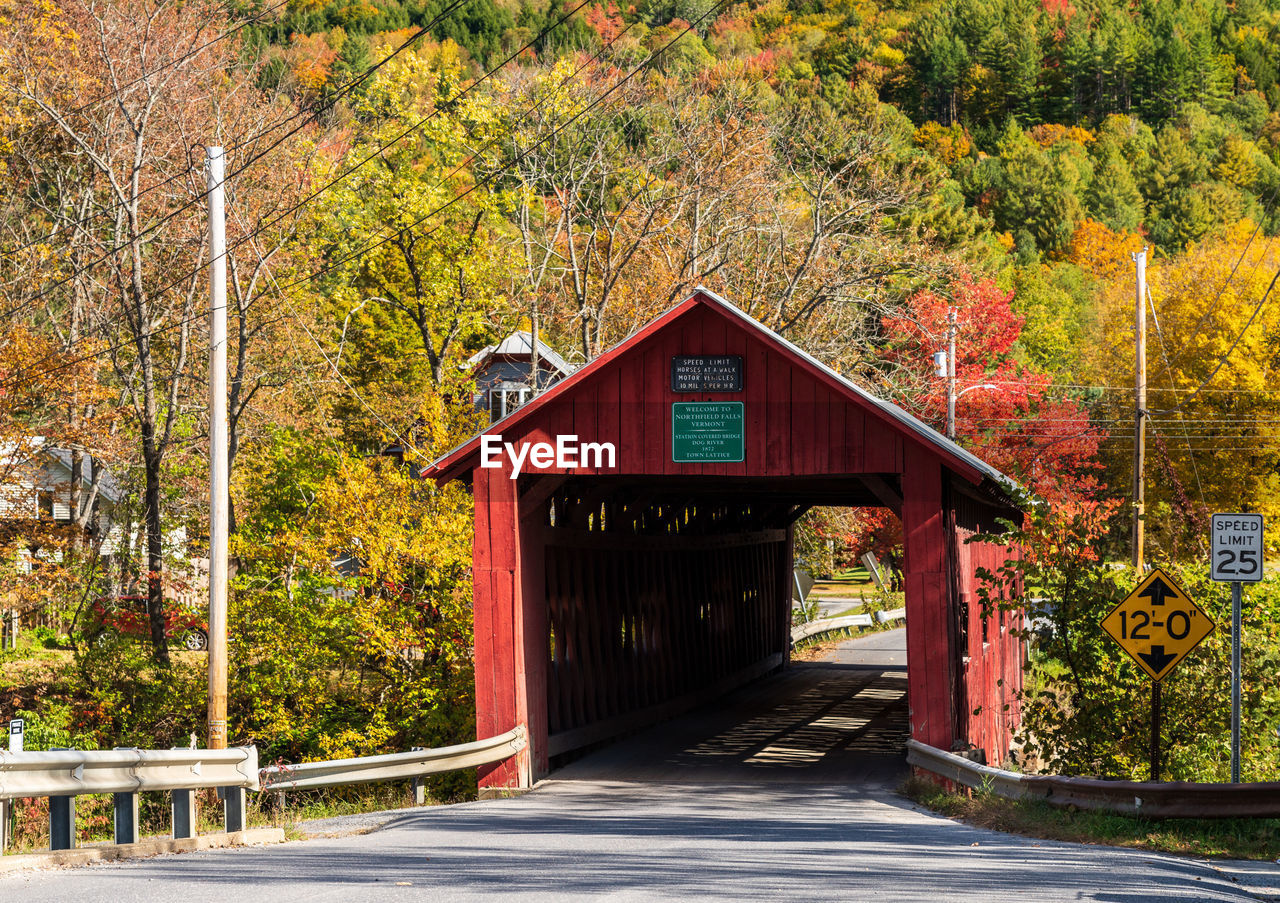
(463, 458)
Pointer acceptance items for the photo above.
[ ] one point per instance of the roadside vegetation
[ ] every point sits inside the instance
(1232, 838)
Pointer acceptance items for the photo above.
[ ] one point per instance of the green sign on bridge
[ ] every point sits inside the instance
(703, 431)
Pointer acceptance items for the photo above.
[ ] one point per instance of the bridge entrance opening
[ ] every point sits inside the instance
(649, 572)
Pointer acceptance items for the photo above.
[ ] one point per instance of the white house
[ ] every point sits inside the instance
(504, 373)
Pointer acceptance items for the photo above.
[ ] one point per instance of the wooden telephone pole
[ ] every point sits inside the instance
(1140, 404)
(219, 498)
(1139, 459)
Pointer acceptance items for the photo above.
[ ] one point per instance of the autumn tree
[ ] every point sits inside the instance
(415, 245)
(1021, 423)
(1212, 438)
(115, 181)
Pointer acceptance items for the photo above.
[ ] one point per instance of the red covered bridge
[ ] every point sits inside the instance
(614, 592)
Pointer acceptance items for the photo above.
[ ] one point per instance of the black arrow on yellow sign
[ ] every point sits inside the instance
(1158, 591)
(1157, 658)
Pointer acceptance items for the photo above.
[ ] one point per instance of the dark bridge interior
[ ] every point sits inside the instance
(661, 597)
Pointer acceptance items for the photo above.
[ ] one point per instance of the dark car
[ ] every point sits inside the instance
(126, 616)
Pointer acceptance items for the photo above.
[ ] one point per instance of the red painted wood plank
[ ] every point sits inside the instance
(670, 344)
(855, 459)
(837, 455)
(608, 415)
(735, 342)
(755, 383)
(656, 374)
(823, 453)
(879, 449)
(483, 607)
(778, 416)
(917, 655)
(631, 414)
(798, 428)
(536, 662)
(585, 414)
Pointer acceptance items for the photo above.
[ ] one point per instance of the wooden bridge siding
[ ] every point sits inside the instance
(794, 424)
(930, 634)
(497, 603)
(992, 676)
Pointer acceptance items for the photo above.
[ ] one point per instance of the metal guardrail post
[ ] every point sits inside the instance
(182, 804)
(5, 809)
(62, 822)
(233, 808)
(419, 789)
(125, 817)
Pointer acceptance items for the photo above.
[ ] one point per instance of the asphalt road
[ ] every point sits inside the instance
(781, 792)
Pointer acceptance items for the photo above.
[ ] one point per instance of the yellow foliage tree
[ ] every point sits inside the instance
(1102, 251)
(1214, 434)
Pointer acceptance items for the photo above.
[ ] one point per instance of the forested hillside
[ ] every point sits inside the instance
(408, 182)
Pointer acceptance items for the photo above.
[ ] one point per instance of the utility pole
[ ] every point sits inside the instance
(1139, 459)
(219, 492)
(951, 373)
(1140, 404)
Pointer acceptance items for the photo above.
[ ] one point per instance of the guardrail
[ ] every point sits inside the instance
(62, 775)
(826, 625)
(1174, 799)
(393, 766)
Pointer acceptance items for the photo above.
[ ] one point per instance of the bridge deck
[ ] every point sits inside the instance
(842, 721)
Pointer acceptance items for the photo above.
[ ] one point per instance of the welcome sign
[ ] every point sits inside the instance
(706, 431)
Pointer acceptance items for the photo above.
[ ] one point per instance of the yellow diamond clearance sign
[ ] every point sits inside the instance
(1157, 624)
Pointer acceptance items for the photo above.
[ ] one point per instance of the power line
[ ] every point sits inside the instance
(474, 186)
(197, 199)
(117, 92)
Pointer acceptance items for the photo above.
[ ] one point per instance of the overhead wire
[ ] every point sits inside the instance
(330, 101)
(116, 93)
(473, 187)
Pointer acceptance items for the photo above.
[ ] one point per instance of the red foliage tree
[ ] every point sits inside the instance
(1024, 426)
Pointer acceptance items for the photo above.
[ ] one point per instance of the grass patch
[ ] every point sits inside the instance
(1225, 838)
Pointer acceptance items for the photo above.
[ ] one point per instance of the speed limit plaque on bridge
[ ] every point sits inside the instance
(1157, 624)
(1236, 548)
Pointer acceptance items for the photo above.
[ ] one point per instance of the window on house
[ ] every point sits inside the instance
(505, 398)
(44, 504)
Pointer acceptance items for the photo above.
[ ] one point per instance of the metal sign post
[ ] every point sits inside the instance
(1236, 555)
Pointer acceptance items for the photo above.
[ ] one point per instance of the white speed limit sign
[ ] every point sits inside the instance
(1236, 548)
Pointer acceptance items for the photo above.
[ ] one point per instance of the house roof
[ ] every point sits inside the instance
(109, 489)
(453, 463)
(27, 451)
(520, 344)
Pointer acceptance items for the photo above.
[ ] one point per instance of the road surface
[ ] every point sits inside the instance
(781, 792)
